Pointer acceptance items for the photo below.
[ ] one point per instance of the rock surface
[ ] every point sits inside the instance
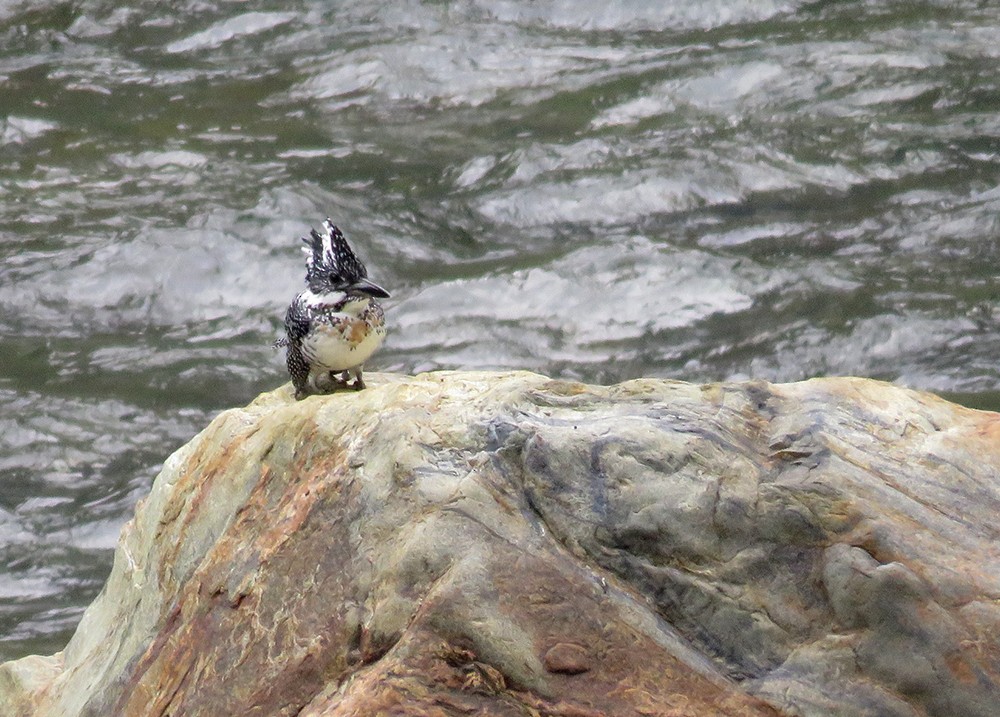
(505, 544)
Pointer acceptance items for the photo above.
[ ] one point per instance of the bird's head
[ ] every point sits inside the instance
(331, 265)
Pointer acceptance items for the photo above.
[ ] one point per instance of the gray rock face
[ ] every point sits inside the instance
(479, 543)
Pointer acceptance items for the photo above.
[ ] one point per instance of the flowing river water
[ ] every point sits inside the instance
(595, 190)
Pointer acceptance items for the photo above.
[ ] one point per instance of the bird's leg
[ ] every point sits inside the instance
(359, 382)
(333, 381)
(322, 383)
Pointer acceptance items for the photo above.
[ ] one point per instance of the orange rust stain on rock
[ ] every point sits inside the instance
(154, 696)
(289, 515)
(564, 388)
(577, 628)
(225, 620)
(958, 665)
(201, 471)
(988, 427)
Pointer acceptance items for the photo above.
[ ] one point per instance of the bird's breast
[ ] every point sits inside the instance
(340, 340)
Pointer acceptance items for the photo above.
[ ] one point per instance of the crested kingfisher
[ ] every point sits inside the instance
(336, 324)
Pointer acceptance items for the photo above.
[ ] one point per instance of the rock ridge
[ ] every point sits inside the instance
(495, 543)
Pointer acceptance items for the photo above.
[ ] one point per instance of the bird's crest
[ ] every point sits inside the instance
(330, 262)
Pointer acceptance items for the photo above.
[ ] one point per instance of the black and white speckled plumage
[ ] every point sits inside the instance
(337, 323)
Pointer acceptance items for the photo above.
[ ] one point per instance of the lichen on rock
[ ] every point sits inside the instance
(503, 543)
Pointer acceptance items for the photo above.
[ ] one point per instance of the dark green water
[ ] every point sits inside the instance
(593, 190)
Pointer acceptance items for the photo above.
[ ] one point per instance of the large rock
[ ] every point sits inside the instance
(505, 544)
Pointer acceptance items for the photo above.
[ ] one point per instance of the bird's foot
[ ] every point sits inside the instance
(329, 382)
(302, 390)
(359, 383)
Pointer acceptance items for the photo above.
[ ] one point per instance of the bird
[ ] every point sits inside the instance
(337, 323)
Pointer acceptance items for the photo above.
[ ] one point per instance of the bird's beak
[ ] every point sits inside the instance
(363, 286)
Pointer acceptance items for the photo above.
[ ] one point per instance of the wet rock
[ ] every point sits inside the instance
(474, 543)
